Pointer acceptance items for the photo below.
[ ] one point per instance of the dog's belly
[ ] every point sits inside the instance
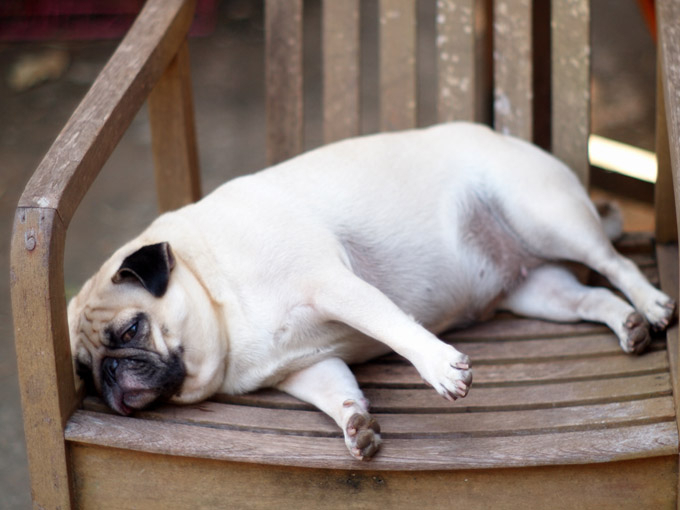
(442, 292)
(448, 274)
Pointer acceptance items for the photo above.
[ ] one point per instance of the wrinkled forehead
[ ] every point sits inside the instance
(92, 314)
(90, 325)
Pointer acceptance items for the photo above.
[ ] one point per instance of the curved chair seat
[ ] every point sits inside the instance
(544, 395)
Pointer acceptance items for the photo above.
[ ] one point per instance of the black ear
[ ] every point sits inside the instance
(150, 266)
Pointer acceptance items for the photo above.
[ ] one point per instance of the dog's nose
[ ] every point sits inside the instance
(109, 367)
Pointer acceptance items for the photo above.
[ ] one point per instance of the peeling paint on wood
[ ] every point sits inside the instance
(513, 69)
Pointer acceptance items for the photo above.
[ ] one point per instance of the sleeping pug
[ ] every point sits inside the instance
(283, 278)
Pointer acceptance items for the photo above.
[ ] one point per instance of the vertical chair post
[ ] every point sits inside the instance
(341, 115)
(43, 354)
(397, 64)
(456, 55)
(571, 84)
(513, 70)
(668, 150)
(668, 98)
(173, 135)
(664, 201)
(284, 100)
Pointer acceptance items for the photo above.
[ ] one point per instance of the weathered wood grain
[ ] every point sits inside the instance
(668, 12)
(665, 220)
(513, 68)
(46, 208)
(397, 64)
(512, 327)
(173, 135)
(456, 65)
(283, 61)
(99, 121)
(620, 364)
(571, 84)
(558, 396)
(341, 53)
(423, 425)
(46, 383)
(541, 396)
(668, 268)
(159, 482)
(545, 350)
(602, 445)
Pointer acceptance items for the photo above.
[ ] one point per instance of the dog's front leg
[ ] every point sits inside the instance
(330, 386)
(349, 299)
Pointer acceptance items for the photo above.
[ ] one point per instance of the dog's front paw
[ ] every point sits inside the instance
(448, 372)
(362, 435)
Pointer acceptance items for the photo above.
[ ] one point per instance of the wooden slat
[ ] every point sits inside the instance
(571, 84)
(507, 328)
(499, 351)
(397, 375)
(575, 349)
(341, 118)
(456, 60)
(513, 69)
(635, 242)
(400, 425)
(397, 64)
(46, 382)
(158, 482)
(284, 101)
(173, 136)
(604, 445)
(94, 129)
(426, 400)
(524, 422)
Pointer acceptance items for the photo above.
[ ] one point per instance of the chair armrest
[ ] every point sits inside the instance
(106, 111)
(44, 211)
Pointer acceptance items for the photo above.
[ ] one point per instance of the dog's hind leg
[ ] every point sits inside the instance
(562, 224)
(552, 292)
(331, 387)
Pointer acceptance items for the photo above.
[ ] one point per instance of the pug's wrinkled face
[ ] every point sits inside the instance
(122, 345)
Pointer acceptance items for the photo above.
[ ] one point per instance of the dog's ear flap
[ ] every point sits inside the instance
(150, 266)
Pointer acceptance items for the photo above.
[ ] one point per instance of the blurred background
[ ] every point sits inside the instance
(52, 50)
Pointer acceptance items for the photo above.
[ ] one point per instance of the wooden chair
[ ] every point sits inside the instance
(558, 416)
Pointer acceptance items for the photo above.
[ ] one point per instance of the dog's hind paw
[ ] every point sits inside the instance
(636, 336)
(362, 436)
(661, 313)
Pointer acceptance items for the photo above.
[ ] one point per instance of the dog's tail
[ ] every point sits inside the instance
(611, 217)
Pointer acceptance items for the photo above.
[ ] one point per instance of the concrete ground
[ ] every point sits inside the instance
(227, 69)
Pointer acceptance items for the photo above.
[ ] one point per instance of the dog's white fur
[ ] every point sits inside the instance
(367, 245)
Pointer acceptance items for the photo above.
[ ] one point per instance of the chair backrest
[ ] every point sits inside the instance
(540, 69)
